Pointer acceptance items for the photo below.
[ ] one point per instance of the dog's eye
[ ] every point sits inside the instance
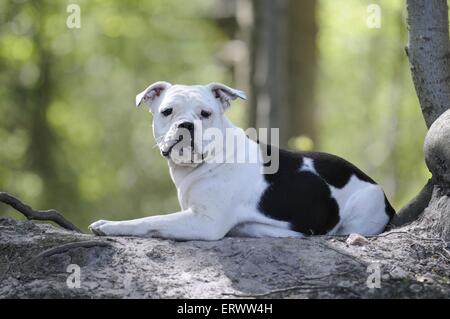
(167, 111)
(205, 114)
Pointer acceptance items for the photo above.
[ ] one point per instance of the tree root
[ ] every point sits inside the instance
(31, 214)
(66, 247)
(285, 290)
(414, 208)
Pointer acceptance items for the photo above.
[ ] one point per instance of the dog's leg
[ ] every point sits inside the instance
(185, 225)
(364, 213)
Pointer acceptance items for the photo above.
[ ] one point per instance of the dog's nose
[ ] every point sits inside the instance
(187, 125)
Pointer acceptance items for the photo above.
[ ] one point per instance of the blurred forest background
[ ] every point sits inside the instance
(71, 138)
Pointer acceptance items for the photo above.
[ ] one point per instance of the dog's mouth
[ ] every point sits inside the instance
(184, 154)
(168, 151)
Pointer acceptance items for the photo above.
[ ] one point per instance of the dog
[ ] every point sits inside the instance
(309, 193)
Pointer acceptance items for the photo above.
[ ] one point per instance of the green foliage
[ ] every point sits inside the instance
(70, 135)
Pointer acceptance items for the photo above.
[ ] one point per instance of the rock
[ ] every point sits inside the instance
(415, 288)
(35, 260)
(398, 273)
(437, 148)
(356, 240)
(426, 278)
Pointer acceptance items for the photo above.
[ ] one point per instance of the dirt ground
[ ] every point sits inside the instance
(35, 259)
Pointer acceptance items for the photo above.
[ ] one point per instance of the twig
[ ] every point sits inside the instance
(441, 241)
(443, 256)
(404, 232)
(63, 248)
(355, 258)
(31, 214)
(287, 289)
(324, 276)
(444, 248)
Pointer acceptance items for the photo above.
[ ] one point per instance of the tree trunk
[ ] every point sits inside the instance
(302, 67)
(437, 156)
(283, 67)
(429, 55)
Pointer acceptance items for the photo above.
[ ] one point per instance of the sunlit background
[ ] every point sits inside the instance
(71, 138)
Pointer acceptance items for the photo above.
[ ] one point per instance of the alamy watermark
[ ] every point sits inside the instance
(74, 279)
(374, 278)
(73, 20)
(214, 145)
(373, 20)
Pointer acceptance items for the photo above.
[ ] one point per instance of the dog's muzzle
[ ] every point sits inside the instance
(183, 132)
(166, 153)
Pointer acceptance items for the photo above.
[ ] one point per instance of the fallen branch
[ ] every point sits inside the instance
(43, 215)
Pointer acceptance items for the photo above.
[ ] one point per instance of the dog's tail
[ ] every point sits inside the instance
(390, 211)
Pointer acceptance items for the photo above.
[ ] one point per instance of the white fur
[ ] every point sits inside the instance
(308, 165)
(221, 198)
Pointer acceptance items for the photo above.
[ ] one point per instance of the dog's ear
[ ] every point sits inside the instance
(225, 94)
(151, 93)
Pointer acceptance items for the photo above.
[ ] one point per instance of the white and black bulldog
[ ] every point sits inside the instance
(223, 191)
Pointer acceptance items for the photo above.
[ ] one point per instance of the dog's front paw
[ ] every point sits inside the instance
(102, 228)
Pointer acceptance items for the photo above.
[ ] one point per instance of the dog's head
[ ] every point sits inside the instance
(181, 113)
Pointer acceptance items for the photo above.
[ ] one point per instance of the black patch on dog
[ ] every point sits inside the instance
(300, 198)
(303, 198)
(335, 170)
